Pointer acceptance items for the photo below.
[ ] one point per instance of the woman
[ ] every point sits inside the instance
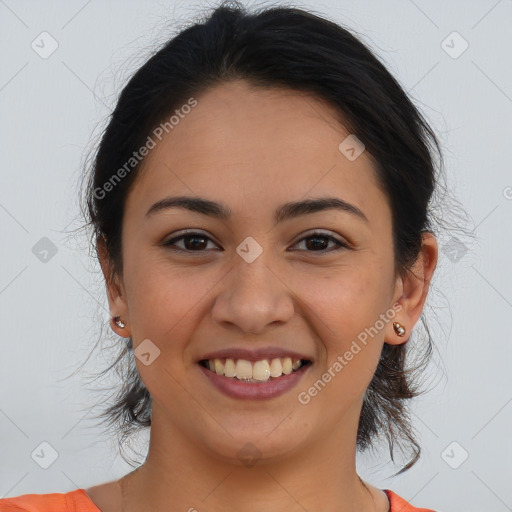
(259, 202)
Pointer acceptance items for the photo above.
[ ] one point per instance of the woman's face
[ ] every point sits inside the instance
(249, 281)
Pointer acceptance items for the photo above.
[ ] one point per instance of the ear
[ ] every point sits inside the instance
(115, 291)
(411, 290)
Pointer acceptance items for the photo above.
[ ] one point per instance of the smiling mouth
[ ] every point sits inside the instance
(264, 370)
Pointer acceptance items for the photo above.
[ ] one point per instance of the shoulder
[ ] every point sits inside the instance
(398, 504)
(74, 501)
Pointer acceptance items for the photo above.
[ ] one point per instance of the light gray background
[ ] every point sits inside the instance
(51, 111)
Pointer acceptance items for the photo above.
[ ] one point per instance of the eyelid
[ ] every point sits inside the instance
(322, 232)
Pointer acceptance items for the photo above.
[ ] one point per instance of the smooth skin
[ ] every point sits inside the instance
(254, 149)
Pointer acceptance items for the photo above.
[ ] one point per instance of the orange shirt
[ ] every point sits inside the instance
(79, 501)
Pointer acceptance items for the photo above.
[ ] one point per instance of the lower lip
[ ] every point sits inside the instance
(254, 390)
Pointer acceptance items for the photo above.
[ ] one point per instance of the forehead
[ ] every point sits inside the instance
(251, 147)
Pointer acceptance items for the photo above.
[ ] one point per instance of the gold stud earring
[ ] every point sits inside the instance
(119, 322)
(398, 328)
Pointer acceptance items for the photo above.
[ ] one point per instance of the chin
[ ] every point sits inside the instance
(256, 444)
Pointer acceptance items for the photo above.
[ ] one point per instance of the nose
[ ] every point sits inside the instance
(254, 296)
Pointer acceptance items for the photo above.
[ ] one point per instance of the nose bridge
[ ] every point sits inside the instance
(254, 295)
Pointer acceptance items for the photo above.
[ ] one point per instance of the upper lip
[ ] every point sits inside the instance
(253, 354)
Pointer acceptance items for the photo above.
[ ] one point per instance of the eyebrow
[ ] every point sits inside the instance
(284, 212)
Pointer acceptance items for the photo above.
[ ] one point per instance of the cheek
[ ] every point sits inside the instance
(348, 300)
(164, 306)
(346, 309)
(167, 304)
(161, 299)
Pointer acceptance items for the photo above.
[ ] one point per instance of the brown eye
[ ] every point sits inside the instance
(319, 242)
(192, 242)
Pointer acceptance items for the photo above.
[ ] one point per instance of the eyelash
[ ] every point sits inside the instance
(340, 245)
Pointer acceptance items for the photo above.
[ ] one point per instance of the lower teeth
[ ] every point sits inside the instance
(253, 381)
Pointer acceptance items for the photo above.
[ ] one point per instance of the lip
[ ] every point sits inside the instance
(234, 388)
(254, 354)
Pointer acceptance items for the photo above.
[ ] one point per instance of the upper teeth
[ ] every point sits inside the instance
(257, 370)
